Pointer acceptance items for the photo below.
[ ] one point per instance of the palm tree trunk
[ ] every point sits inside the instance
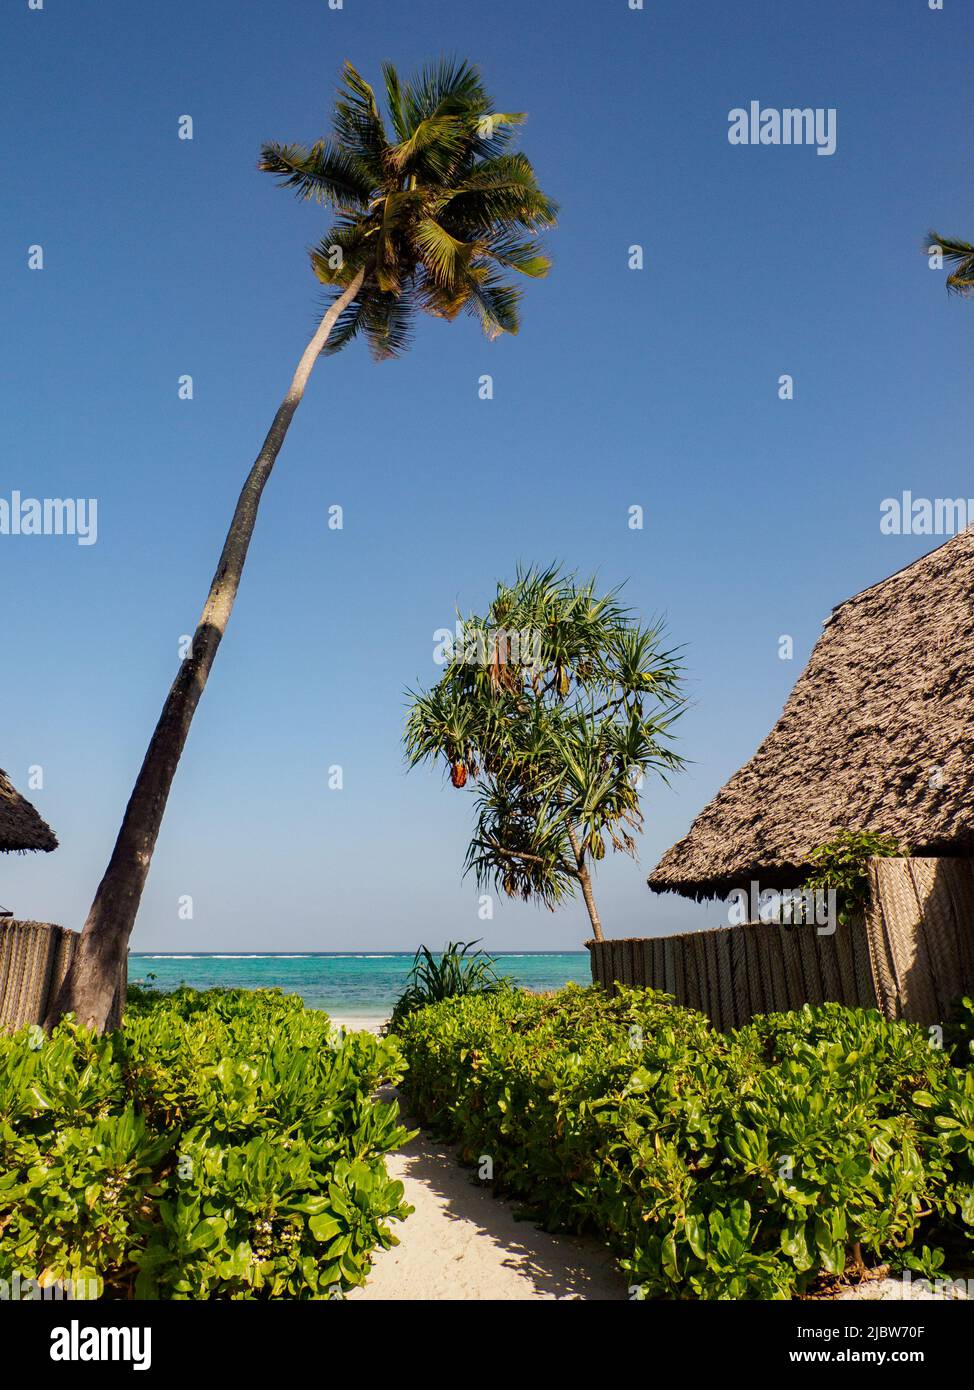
(585, 879)
(89, 985)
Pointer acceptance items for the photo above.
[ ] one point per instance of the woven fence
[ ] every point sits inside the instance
(34, 959)
(733, 973)
(911, 957)
(921, 935)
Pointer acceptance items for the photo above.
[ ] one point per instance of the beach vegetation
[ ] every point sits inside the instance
(759, 1164)
(557, 740)
(462, 968)
(841, 865)
(223, 1144)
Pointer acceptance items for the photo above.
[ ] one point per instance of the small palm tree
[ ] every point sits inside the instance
(433, 210)
(556, 705)
(959, 254)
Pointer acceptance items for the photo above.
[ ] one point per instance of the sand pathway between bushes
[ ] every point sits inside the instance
(463, 1243)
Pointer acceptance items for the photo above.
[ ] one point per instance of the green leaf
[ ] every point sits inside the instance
(324, 1227)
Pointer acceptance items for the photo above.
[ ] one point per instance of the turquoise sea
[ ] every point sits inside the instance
(350, 984)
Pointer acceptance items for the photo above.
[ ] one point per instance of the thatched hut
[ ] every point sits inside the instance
(877, 735)
(21, 828)
(34, 956)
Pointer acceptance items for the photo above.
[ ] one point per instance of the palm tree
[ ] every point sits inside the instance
(959, 254)
(556, 705)
(432, 211)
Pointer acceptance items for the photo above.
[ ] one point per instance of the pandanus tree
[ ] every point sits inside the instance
(555, 705)
(433, 210)
(960, 255)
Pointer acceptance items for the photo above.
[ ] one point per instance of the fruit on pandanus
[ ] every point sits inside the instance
(458, 774)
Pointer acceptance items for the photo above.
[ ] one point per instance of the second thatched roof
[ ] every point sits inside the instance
(877, 735)
(21, 828)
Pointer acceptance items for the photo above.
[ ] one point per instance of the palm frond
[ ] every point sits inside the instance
(505, 189)
(323, 172)
(348, 325)
(387, 321)
(434, 145)
(959, 254)
(523, 254)
(394, 100)
(342, 251)
(444, 257)
(358, 124)
(492, 301)
(434, 216)
(446, 87)
(495, 130)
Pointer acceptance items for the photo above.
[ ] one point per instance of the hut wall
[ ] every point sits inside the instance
(921, 935)
(911, 957)
(34, 959)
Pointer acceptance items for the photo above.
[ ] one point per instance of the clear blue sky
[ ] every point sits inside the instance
(656, 388)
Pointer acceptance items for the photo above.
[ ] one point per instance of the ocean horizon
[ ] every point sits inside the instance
(348, 984)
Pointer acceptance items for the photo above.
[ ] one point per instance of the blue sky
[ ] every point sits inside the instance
(656, 388)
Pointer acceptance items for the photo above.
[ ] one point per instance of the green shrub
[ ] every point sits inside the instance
(461, 969)
(959, 1033)
(222, 1144)
(716, 1166)
(842, 864)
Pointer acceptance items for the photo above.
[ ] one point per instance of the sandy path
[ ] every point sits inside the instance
(463, 1243)
(360, 1023)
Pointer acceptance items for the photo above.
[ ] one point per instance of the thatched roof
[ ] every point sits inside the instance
(21, 827)
(877, 735)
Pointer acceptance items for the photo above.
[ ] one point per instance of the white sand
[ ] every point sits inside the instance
(916, 1289)
(368, 1023)
(463, 1243)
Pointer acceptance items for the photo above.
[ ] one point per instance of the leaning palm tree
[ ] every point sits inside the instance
(959, 254)
(433, 209)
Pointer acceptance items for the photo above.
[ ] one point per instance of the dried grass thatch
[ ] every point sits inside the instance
(875, 736)
(21, 828)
